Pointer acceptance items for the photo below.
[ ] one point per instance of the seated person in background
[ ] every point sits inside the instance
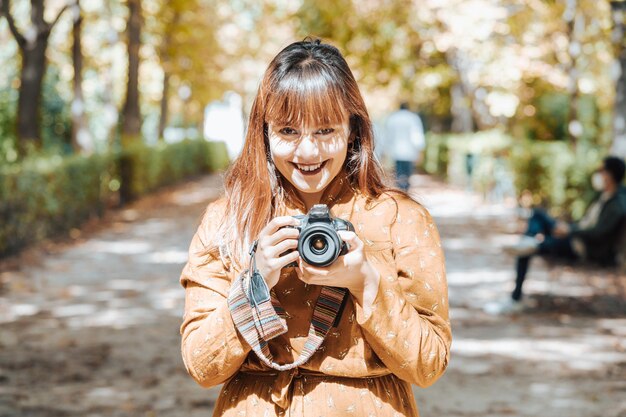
(594, 238)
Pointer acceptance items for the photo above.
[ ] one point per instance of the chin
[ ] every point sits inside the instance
(309, 190)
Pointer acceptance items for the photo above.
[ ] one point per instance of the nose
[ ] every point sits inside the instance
(307, 148)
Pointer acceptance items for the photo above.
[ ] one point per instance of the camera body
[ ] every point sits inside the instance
(318, 243)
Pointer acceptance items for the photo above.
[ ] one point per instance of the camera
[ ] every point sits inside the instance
(318, 243)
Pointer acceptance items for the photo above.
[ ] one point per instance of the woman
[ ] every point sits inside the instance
(310, 141)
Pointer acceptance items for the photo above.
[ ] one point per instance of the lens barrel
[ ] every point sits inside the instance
(319, 244)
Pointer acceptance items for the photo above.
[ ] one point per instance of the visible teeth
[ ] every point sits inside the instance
(308, 167)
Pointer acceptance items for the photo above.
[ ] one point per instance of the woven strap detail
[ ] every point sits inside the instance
(260, 322)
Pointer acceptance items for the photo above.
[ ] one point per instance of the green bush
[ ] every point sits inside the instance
(47, 196)
(436, 155)
(554, 175)
(143, 168)
(548, 173)
(447, 156)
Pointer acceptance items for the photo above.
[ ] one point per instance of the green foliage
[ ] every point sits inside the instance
(55, 118)
(552, 112)
(436, 155)
(547, 173)
(56, 121)
(551, 119)
(447, 155)
(47, 196)
(43, 197)
(554, 175)
(8, 108)
(144, 168)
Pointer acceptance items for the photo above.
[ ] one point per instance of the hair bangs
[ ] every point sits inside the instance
(306, 98)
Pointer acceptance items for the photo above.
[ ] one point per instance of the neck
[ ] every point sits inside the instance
(611, 188)
(310, 199)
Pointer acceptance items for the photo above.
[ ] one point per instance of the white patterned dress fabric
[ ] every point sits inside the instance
(366, 365)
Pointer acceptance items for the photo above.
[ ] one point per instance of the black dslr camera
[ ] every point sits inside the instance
(318, 243)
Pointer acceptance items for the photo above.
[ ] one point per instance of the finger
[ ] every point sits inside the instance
(282, 234)
(278, 222)
(313, 270)
(305, 275)
(287, 259)
(277, 250)
(351, 239)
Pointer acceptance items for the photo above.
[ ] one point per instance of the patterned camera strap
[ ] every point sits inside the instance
(259, 317)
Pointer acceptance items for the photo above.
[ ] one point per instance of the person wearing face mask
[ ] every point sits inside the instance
(286, 337)
(593, 238)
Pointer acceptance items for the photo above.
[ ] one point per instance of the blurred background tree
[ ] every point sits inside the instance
(540, 71)
(533, 89)
(543, 70)
(32, 41)
(131, 115)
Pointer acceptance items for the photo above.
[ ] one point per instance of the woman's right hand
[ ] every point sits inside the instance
(274, 240)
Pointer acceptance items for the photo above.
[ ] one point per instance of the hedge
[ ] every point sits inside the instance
(548, 173)
(46, 197)
(556, 176)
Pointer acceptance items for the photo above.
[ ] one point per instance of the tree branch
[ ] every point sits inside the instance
(5, 8)
(56, 19)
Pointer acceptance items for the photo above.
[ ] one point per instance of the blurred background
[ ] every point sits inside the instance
(116, 118)
(542, 81)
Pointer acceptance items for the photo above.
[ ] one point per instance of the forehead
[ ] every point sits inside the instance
(306, 101)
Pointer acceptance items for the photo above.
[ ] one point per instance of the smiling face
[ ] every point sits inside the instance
(309, 157)
(309, 109)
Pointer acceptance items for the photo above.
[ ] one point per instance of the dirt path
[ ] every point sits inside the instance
(92, 329)
(564, 356)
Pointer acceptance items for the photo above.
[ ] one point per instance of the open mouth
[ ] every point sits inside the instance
(309, 169)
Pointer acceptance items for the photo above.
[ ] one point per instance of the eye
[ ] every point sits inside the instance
(325, 131)
(288, 131)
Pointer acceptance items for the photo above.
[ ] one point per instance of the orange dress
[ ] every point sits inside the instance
(366, 365)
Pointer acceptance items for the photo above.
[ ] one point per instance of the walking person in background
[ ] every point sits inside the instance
(404, 143)
(288, 337)
(594, 238)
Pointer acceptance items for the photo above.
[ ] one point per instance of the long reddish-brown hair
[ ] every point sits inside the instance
(307, 83)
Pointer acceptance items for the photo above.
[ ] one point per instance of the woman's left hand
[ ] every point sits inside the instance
(351, 271)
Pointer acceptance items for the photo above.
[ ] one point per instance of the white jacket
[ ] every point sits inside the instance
(403, 136)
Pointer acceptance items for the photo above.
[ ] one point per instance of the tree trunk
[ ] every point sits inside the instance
(619, 121)
(574, 27)
(462, 120)
(619, 118)
(32, 44)
(110, 110)
(463, 117)
(81, 139)
(166, 65)
(131, 125)
(33, 69)
(164, 104)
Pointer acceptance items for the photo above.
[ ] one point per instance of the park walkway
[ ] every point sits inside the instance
(91, 329)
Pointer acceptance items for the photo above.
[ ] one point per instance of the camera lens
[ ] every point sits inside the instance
(318, 244)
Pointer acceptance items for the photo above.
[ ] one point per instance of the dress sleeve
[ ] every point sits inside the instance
(408, 326)
(211, 347)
